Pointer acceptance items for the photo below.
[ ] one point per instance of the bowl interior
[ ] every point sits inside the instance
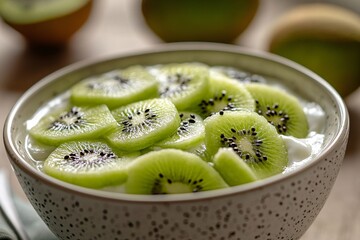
(297, 79)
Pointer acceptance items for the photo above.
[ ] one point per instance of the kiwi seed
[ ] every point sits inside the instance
(281, 109)
(180, 80)
(279, 117)
(190, 133)
(131, 125)
(211, 102)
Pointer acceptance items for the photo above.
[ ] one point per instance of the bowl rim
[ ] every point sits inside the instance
(15, 157)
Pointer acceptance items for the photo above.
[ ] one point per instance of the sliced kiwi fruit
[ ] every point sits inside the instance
(116, 88)
(74, 123)
(190, 133)
(183, 83)
(144, 123)
(171, 171)
(225, 95)
(90, 164)
(281, 109)
(232, 167)
(251, 137)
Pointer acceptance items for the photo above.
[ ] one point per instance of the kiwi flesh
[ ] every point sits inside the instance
(116, 88)
(251, 137)
(281, 109)
(225, 95)
(171, 171)
(233, 168)
(143, 123)
(183, 83)
(90, 164)
(191, 132)
(73, 123)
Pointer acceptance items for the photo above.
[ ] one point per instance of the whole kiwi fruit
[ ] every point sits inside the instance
(324, 38)
(198, 20)
(44, 22)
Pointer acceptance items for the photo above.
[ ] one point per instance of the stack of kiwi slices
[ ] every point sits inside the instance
(171, 128)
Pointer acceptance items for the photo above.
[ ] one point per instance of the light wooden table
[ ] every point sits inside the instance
(116, 27)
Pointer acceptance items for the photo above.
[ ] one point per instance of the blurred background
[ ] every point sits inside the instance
(38, 37)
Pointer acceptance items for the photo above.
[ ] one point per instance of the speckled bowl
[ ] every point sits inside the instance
(280, 207)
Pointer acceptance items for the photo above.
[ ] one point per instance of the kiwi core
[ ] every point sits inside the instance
(245, 143)
(89, 158)
(69, 120)
(177, 187)
(138, 119)
(166, 185)
(176, 84)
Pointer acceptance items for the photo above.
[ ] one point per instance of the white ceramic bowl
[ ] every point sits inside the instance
(280, 207)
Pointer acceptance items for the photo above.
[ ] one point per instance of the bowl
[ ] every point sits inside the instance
(279, 207)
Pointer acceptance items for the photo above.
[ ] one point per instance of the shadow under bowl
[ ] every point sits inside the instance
(279, 207)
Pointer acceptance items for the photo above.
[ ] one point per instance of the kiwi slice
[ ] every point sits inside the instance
(233, 168)
(225, 95)
(171, 171)
(190, 133)
(281, 109)
(251, 137)
(88, 163)
(74, 123)
(144, 123)
(116, 88)
(183, 83)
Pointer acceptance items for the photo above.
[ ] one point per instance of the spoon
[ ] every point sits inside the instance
(8, 208)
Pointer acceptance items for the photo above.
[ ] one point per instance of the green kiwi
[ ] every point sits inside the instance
(233, 168)
(88, 163)
(190, 133)
(144, 123)
(73, 123)
(225, 95)
(281, 109)
(171, 171)
(251, 137)
(116, 88)
(183, 83)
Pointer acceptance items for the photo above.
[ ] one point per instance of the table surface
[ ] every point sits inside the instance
(116, 27)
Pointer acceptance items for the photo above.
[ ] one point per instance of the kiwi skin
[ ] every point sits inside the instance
(54, 32)
(212, 20)
(324, 38)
